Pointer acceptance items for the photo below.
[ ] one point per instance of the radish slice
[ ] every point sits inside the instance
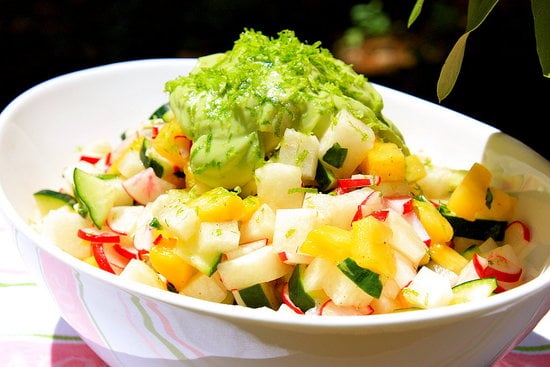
(94, 235)
(123, 219)
(145, 186)
(287, 301)
(329, 308)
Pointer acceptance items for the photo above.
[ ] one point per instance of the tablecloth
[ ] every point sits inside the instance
(32, 333)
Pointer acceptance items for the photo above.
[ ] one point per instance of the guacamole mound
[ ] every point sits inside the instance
(235, 106)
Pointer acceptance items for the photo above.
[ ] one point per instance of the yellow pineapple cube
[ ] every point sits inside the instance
(502, 205)
(371, 249)
(168, 263)
(439, 229)
(447, 257)
(414, 168)
(219, 205)
(328, 242)
(385, 160)
(469, 196)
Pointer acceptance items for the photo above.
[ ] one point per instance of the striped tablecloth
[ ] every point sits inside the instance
(32, 334)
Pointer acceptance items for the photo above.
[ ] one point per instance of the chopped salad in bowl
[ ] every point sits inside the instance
(271, 178)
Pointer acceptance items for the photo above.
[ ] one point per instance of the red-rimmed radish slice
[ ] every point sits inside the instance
(92, 159)
(143, 238)
(95, 235)
(108, 258)
(517, 233)
(245, 248)
(503, 269)
(127, 252)
(402, 205)
(497, 266)
(372, 203)
(357, 181)
(122, 219)
(145, 186)
(98, 250)
(329, 308)
(287, 301)
(381, 215)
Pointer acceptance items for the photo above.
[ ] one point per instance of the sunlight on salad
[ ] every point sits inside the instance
(270, 178)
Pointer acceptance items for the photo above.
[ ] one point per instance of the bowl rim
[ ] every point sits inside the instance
(276, 319)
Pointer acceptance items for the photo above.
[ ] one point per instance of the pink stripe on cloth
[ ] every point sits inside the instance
(46, 354)
(517, 359)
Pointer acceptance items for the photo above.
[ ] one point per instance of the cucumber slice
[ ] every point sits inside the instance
(148, 161)
(470, 251)
(365, 279)
(257, 295)
(97, 193)
(296, 291)
(205, 261)
(473, 289)
(326, 179)
(47, 200)
(164, 112)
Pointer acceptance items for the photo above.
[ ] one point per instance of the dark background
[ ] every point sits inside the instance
(501, 81)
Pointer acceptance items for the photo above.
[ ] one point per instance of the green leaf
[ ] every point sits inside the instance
(451, 68)
(478, 10)
(415, 12)
(541, 17)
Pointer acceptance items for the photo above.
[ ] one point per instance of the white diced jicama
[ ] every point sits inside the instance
(259, 266)
(218, 236)
(278, 185)
(428, 290)
(292, 227)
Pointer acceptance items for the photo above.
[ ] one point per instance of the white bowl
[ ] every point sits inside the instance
(129, 324)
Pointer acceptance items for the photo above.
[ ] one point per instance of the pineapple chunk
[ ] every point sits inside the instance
(438, 228)
(414, 168)
(385, 160)
(502, 206)
(218, 205)
(371, 248)
(329, 242)
(470, 195)
(174, 268)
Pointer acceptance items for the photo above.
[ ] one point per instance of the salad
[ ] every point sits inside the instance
(271, 178)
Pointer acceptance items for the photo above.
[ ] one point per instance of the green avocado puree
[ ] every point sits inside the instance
(235, 106)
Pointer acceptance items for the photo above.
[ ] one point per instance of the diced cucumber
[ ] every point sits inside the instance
(470, 251)
(479, 229)
(258, 295)
(206, 261)
(98, 193)
(148, 161)
(47, 200)
(365, 279)
(164, 112)
(474, 289)
(326, 179)
(296, 291)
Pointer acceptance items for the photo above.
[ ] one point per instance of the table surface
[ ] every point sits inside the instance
(32, 332)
